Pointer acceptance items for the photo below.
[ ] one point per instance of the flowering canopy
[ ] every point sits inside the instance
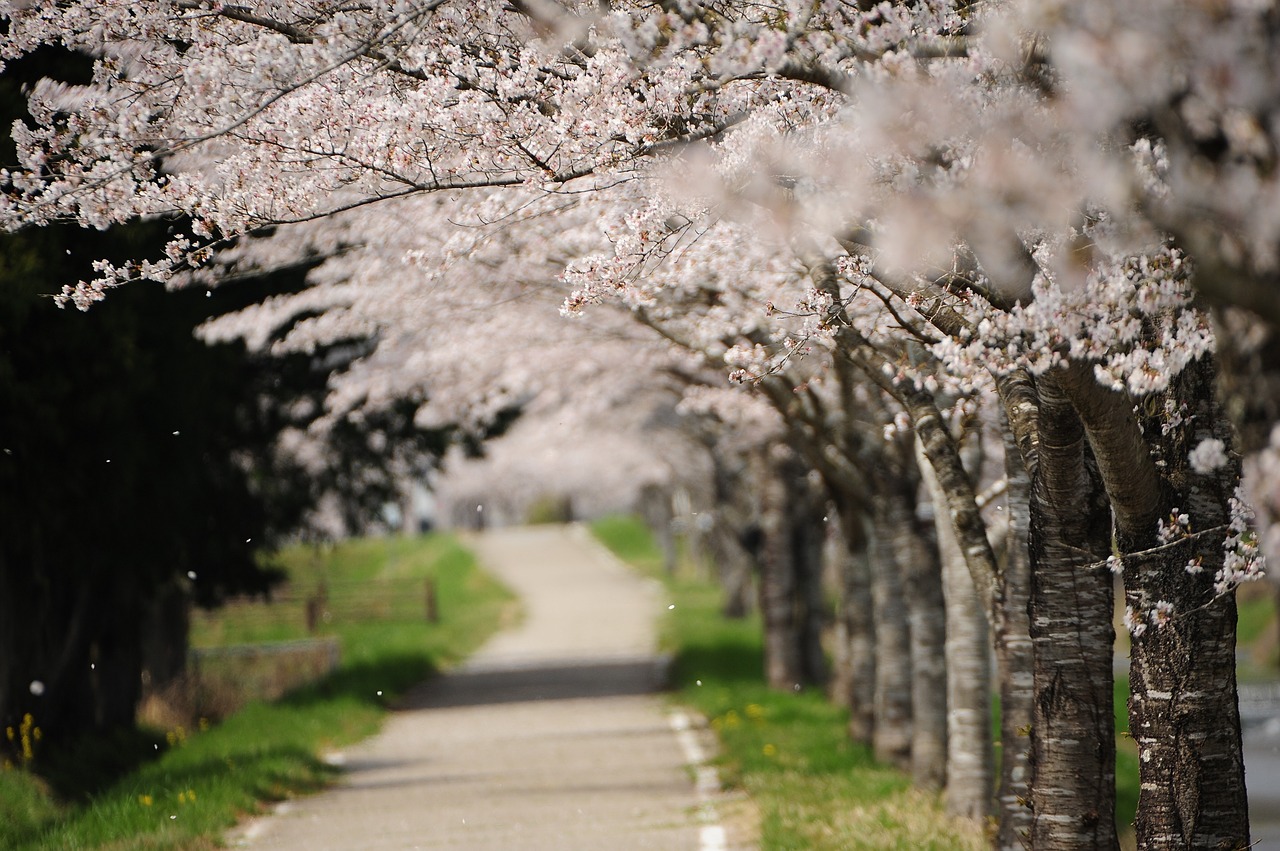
(1061, 177)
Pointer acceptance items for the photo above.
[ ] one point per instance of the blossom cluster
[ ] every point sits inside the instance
(1243, 561)
(1208, 455)
(1159, 615)
(1174, 528)
(1131, 317)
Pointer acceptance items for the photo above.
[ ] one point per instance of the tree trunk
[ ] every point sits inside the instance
(807, 537)
(733, 533)
(853, 681)
(782, 652)
(408, 511)
(1183, 705)
(891, 739)
(165, 629)
(655, 507)
(917, 551)
(1072, 603)
(1014, 661)
(968, 674)
(836, 558)
(735, 566)
(806, 508)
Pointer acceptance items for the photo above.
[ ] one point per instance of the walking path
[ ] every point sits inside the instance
(1260, 719)
(551, 737)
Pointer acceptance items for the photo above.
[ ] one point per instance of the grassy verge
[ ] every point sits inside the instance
(205, 778)
(789, 752)
(1126, 765)
(1257, 632)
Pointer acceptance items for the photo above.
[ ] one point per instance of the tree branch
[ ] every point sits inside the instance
(1129, 473)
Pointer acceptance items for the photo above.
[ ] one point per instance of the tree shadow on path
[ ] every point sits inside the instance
(515, 681)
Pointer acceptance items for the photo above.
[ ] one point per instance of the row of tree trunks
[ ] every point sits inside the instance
(1094, 484)
(72, 654)
(890, 636)
(790, 573)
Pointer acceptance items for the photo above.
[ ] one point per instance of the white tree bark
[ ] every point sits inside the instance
(970, 762)
(853, 676)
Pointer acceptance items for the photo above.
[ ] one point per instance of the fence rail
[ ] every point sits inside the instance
(268, 648)
(222, 679)
(327, 603)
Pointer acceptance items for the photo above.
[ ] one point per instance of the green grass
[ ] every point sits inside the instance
(1255, 613)
(204, 779)
(813, 787)
(1256, 631)
(630, 540)
(1126, 762)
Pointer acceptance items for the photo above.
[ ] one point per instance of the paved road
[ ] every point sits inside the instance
(551, 737)
(1260, 715)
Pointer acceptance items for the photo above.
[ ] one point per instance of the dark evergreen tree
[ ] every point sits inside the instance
(137, 466)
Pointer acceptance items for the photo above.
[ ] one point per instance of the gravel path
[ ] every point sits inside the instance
(551, 737)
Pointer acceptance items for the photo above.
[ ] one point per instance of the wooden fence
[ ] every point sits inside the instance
(222, 679)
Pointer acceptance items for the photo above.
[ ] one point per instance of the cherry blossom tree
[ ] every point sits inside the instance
(1029, 201)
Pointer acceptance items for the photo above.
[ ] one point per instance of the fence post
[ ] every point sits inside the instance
(433, 611)
(194, 691)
